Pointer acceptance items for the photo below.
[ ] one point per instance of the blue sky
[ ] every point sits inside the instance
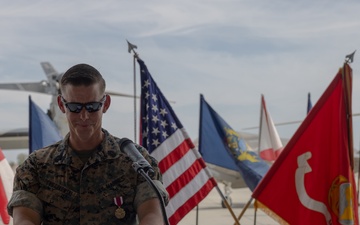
(230, 51)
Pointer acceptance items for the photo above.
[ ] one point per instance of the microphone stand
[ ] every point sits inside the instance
(141, 171)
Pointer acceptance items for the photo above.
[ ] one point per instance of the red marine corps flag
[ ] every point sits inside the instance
(312, 181)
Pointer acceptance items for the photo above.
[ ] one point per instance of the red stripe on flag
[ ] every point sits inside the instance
(3, 203)
(175, 155)
(268, 154)
(183, 179)
(1, 155)
(192, 202)
(202, 162)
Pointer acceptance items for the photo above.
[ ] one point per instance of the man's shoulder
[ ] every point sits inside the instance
(46, 153)
(109, 136)
(112, 141)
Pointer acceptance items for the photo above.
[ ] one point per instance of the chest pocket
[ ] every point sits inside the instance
(121, 186)
(58, 201)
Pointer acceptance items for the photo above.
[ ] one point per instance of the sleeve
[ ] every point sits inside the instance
(25, 187)
(144, 190)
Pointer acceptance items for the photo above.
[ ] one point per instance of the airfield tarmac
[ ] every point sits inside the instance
(211, 213)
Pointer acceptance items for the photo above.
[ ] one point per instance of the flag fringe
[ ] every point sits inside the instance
(269, 212)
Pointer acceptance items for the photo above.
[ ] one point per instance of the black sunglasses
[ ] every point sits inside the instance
(76, 107)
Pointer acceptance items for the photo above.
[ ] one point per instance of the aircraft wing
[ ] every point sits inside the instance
(15, 139)
(40, 87)
(228, 177)
(126, 95)
(113, 93)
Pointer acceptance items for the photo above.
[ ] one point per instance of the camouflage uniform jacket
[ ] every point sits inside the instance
(54, 182)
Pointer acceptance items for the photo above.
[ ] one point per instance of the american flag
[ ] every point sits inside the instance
(185, 175)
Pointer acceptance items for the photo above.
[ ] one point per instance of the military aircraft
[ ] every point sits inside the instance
(18, 138)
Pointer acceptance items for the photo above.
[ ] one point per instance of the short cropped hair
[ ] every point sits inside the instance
(82, 74)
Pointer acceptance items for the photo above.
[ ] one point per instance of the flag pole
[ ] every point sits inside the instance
(358, 186)
(255, 213)
(132, 48)
(349, 59)
(227, 205)
(207, 171)
(348, 89)
(197, 214)
(260, 123)
(244, 209)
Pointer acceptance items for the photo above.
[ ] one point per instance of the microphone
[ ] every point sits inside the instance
(139, 162)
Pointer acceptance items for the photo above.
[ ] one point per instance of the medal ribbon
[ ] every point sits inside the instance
(118, 201)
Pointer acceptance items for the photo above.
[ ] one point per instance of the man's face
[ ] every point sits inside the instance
(84, 126)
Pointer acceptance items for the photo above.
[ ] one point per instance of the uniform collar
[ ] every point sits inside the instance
(108, 149)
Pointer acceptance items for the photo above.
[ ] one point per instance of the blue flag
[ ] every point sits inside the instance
(220, 145)
(309, 105)
(42, 130)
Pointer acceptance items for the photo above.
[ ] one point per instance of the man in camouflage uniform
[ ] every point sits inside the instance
(85, 178)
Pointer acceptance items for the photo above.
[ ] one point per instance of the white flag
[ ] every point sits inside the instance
(270, 145)
(6, 188)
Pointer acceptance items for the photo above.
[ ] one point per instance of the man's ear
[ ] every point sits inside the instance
(60, 104)
(107, 103)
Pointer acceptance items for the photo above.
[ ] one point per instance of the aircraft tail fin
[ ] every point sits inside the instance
(49, 70)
